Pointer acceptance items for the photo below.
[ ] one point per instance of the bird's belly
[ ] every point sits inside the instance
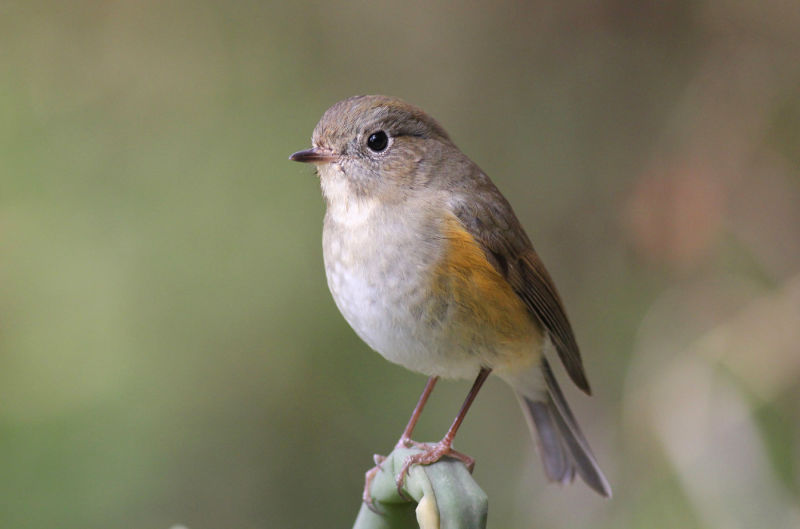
(381, 291)
(399, 296)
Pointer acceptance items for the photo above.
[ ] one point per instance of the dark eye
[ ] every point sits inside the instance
(377, 141)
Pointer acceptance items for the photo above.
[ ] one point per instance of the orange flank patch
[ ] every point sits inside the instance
(483, 305)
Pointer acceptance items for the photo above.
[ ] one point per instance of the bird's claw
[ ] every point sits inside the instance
(431, 454)
(366, 496)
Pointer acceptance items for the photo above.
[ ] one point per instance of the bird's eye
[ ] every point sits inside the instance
(377, 141)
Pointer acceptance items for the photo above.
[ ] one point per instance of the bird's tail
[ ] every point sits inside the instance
(562, 447)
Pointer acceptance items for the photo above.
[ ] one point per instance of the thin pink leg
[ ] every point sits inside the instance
(405, 438)
(404, 442)
(434, 453)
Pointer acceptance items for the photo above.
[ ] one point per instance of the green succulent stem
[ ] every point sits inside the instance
(442, 496)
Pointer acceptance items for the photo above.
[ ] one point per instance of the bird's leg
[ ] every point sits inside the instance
(405, 439)
(435, 452)
(404, 442)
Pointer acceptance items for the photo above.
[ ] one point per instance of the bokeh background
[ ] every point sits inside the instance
(169, 352)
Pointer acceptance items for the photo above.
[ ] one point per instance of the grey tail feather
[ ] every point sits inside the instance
(562, 447)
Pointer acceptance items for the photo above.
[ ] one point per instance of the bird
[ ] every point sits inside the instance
(429, 265)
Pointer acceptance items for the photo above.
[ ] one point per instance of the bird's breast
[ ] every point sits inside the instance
(418, 289)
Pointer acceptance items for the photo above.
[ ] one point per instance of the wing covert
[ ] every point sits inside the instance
(491, 221)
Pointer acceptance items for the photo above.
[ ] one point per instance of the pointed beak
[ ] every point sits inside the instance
(314, 155)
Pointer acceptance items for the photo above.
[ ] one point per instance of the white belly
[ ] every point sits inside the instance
(380, 284)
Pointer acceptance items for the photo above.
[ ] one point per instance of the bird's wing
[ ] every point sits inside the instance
(488, 217)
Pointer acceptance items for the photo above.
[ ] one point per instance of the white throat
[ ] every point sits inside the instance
(344, 206)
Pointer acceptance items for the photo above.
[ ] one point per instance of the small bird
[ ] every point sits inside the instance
(429, 265)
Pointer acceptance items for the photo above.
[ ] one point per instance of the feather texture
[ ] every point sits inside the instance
(562, 447)
(488, 217)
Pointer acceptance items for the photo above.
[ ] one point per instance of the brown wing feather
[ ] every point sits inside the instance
(491, 221)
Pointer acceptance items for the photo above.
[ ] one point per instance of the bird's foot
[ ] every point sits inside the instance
(431, 454)
(366, 497)
(369, 476)
(407, 442)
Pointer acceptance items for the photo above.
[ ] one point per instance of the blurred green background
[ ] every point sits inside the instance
(170, 354)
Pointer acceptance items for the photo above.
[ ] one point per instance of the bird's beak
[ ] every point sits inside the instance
(314, 155)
